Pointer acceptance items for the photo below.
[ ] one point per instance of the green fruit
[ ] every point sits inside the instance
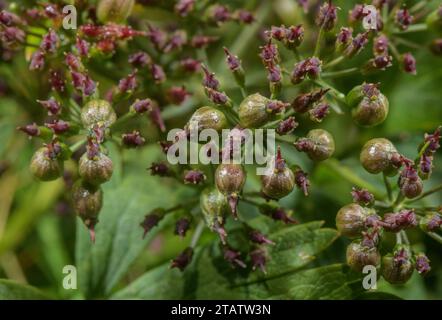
(276, 184)
(207, 118)
(45, 168)
(253, 111)
(87, 202)
(396, 273)
(350, 220)
(97, 170)
(369, 106)
(359, 256)
(114, 10)
(230, 178)
(376, 156)
(214, 207)
(98, 112)
(323, 145)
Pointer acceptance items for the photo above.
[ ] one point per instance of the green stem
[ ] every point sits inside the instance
(335, 92)
(435, 236)
(395, 51)
(397, 203)
(273, 124)
(404, 237)
(318, 42)
(121, 120)
(413, 28)
(77, 145)
(426, 194)
(340, 73)
(334, 62)
(349, 175)
(388, 187)
(197, 234)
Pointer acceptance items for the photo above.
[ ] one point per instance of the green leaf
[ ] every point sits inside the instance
(118, 234)
(10, 290)
(210, 277)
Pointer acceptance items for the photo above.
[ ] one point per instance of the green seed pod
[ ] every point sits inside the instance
(253, 111)
(351, 220)
(434, 20)
(369, 105)
(323, 145)
(207, 118)
(279, 181)
(97, 170)
(87, 202)
(230, 178)
(44, 167)
(359, 256)
(214, 207)
(397, 270)
(98, 112)
(114, 10)
(376, 156)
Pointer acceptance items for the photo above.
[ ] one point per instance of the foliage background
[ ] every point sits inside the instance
(39, 234)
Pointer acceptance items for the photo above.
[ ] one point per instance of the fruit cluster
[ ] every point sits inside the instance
(81, 119)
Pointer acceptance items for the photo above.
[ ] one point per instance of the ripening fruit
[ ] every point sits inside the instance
(253, 111)
(397, 272)
(369, 105)
(97, 170)
(87, 202)
(351, 220)
(114, 10)
(230, 178)
(98, 112)
(207, 118)
(279, 181)
(376, 156)
(323, 145)
(44, 167)
(214, 207)
(359, 256)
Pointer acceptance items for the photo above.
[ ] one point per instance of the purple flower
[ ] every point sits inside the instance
(184, 7)
(258, 257)
(269, 54)
(129, 83)
(202, 41)
(286, 126)
(245, 16)
(232, 61)
(32, 130)
(57, 81)
(176, 42)
(401, 220)
(409, 63)
(51, 105)
(302, 181)
(233, 257)
(37, 60)
(151, 220)
(157, 73)
(309, 67)
(422, 264)
(183, 259)
(279, 214)
(177, 95)
(190, 65)
(259, 238)
(133, 140)
(140, 59)
(362, 196)
(327, 16)
(209, 80)
(49, 42)
(221, 14)
(59, 126)
(380, 45)
(73, 62)
(82, 47)
(160, 169)
(357, 44)
(319, 112)
(403, 18)
(141, 106)
(194, 177)
(182, 226)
